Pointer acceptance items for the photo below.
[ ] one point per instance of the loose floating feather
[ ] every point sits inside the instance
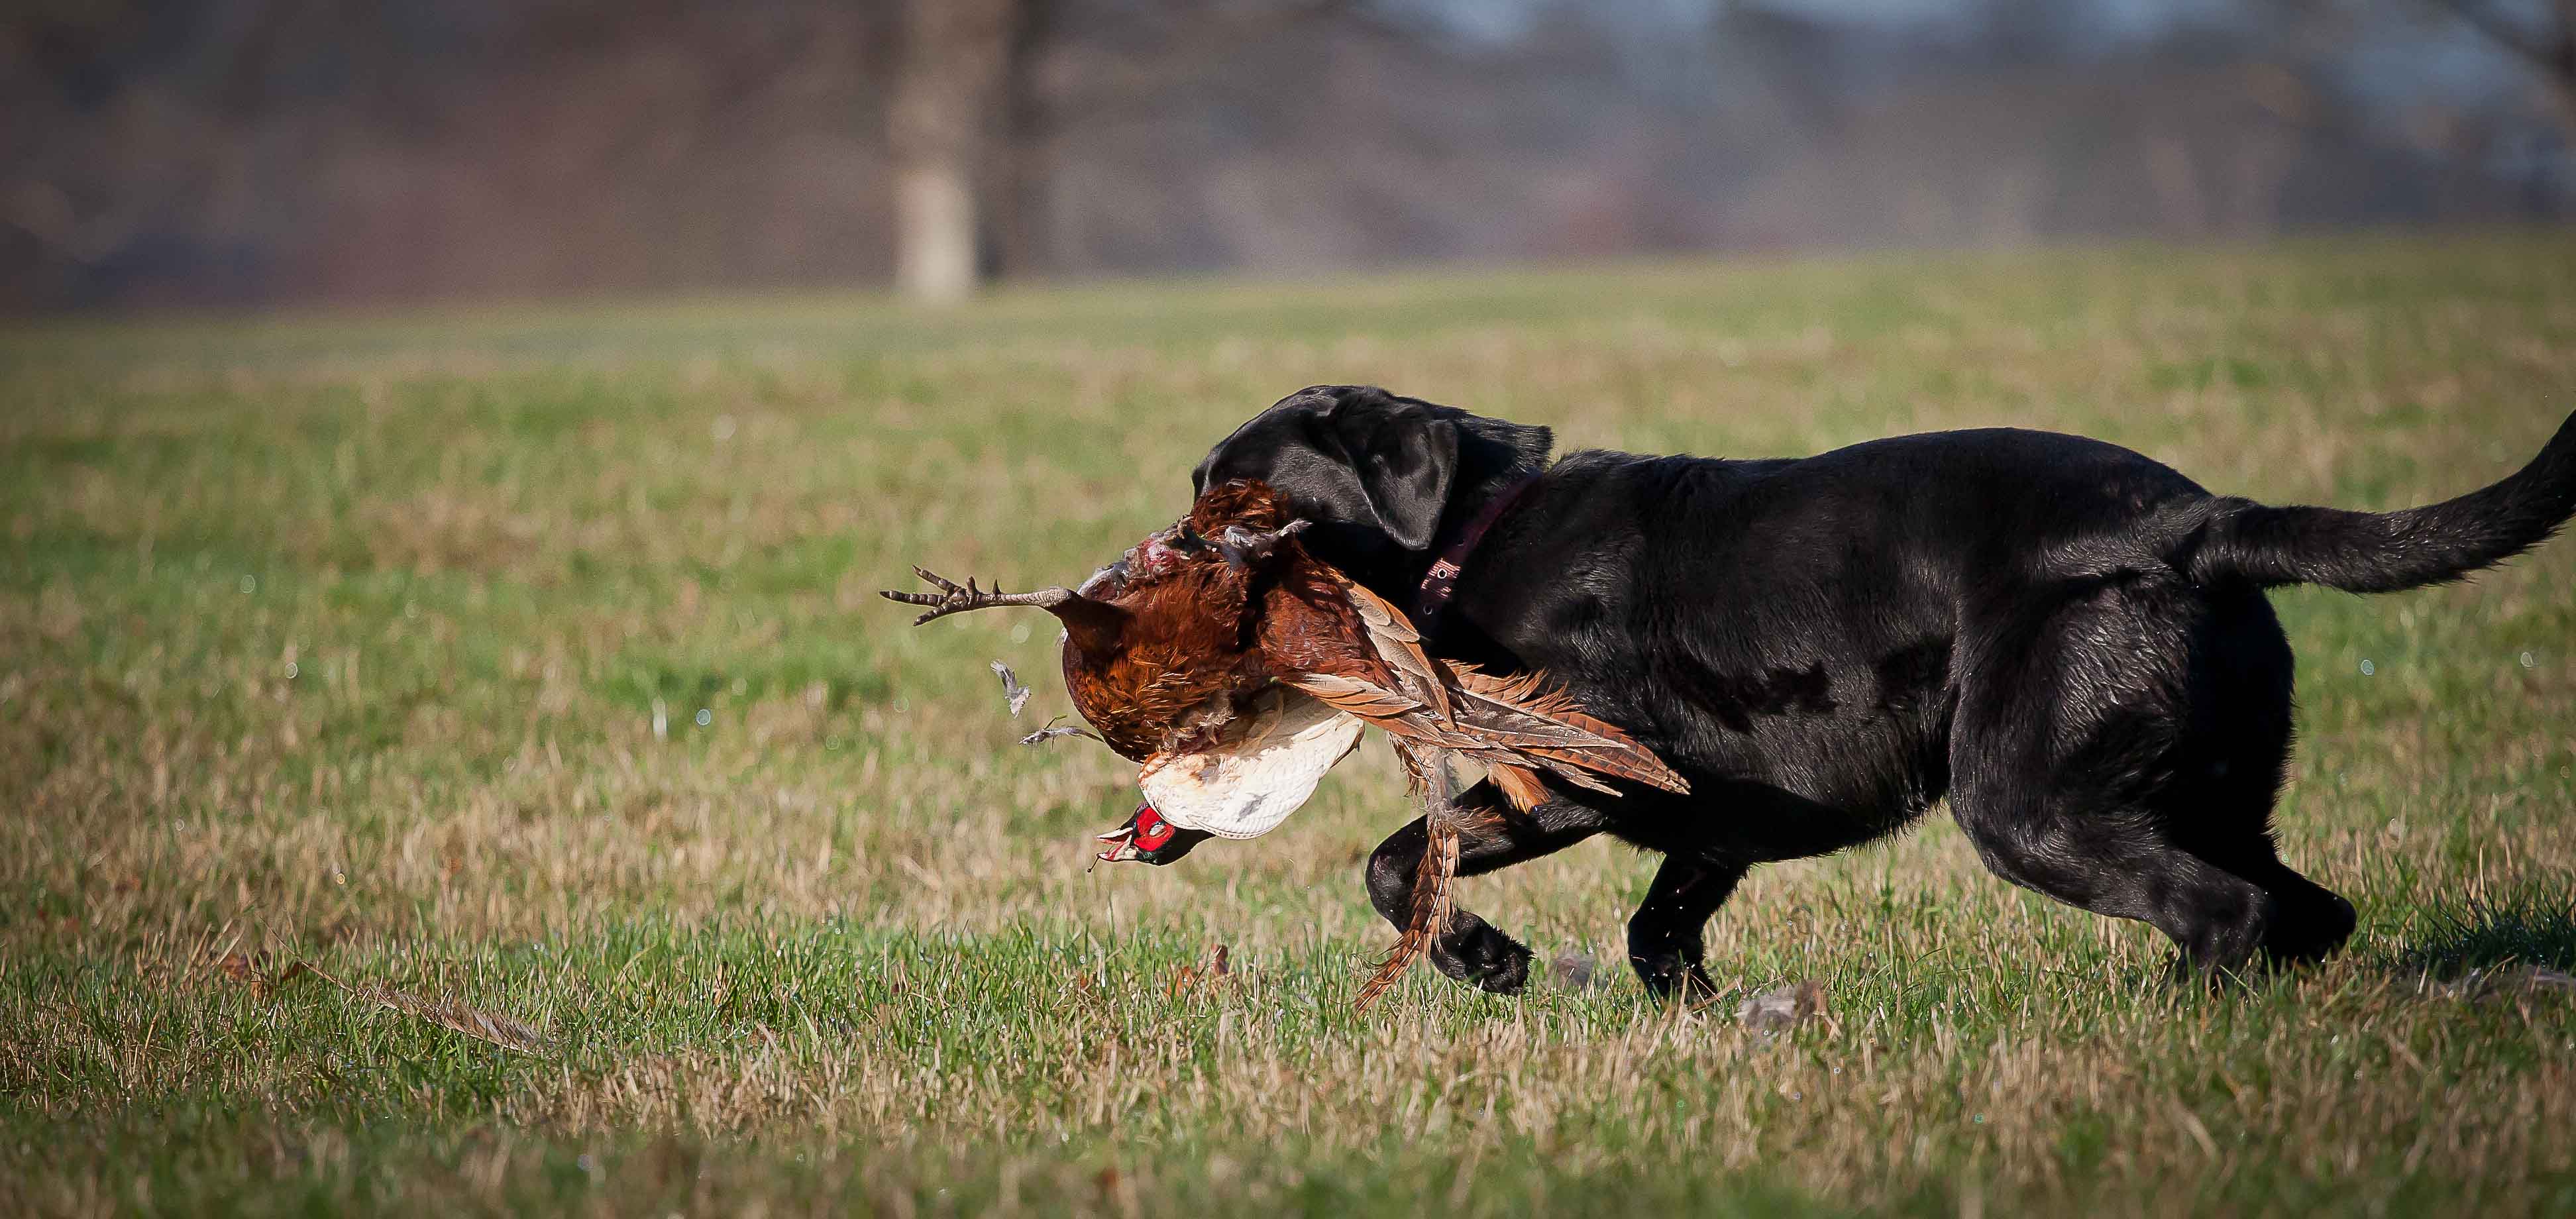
(489, 1027)
(1013, 692)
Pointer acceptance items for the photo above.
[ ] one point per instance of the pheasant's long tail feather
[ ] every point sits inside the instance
(1432, 878)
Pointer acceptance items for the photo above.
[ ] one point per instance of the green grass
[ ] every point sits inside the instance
(340, 640)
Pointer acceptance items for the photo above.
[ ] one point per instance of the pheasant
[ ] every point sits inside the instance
(1237, 668)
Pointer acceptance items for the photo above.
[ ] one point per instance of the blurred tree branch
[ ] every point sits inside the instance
(2548, 46)
(2539, 35)
(2552, 49)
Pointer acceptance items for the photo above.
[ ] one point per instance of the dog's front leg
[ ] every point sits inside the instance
(1470, 949)
(1664, 941)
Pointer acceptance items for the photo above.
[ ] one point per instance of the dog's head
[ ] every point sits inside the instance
(1377, 474)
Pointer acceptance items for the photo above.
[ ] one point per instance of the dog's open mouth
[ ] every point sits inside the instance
(1238, 781)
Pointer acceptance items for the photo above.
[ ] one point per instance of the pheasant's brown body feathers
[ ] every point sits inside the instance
(1178, 651)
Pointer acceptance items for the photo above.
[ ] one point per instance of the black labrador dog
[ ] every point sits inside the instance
(2067, 639)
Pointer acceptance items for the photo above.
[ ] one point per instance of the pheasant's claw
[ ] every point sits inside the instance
(948, 600)
(953, 597)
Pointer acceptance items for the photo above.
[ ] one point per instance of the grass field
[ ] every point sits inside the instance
(341, 642)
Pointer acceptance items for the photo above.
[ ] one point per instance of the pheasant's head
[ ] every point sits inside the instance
(1148, 838)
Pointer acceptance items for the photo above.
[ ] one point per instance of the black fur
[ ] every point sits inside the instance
(2067, 639)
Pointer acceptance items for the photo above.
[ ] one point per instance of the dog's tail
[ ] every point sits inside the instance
(2382, 552)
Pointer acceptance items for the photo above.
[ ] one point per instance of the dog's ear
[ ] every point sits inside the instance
(1405, 461)
(1357, 459)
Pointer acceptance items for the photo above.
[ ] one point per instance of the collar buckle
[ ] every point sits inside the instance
(1442, 580)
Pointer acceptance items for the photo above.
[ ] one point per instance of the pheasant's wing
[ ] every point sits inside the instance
(1399, 715)
(1392, 636)
(1406, 718)
(1500, 726)
(1526, 715)
(1392, 710)
(1520, 722)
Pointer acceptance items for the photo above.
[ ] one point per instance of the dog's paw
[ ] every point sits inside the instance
(1474, 952)
(1671, 975)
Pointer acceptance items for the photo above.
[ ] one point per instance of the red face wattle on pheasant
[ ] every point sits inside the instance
(1147, 838)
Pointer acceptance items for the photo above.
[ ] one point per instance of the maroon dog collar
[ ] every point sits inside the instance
(1442, 579)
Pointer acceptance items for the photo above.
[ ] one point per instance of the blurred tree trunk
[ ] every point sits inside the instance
(1027, 143)
(977, 116)
(942, 123)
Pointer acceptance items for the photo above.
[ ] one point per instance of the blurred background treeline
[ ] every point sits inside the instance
(220, 152)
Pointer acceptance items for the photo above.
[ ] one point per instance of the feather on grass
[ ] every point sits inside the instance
(486, 1027)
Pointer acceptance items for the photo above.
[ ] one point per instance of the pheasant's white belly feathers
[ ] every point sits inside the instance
(1265, 763)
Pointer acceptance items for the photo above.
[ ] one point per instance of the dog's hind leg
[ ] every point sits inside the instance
(2139, 863)
(2224, 773)
(1470, 949)
(2113, 861)
(2118, 749)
